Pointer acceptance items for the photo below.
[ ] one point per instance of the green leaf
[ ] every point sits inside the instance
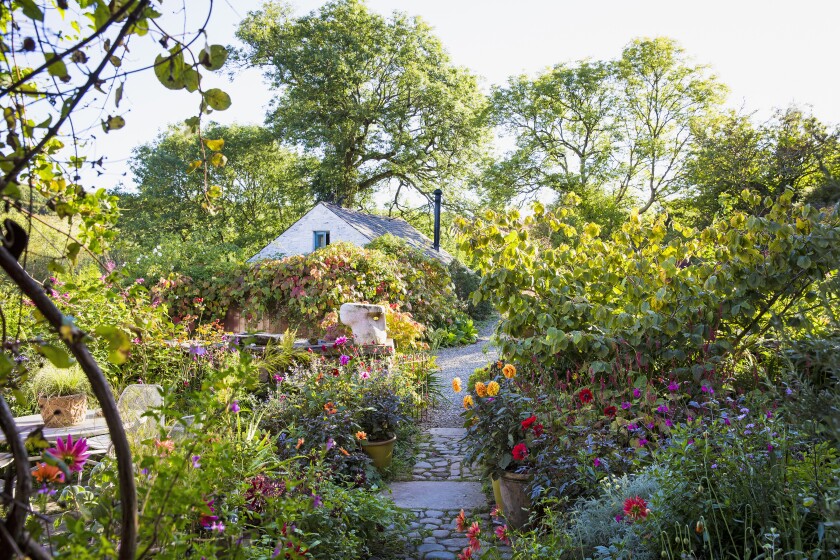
(217, 99)
(6, 367)
(194, 165)
(115, 60)
(170, 70)
(113, 123)
(803, 261)
(56, 68)
(192, 79)
(213, 57)
(218, 160)
(57, 356)
(118, 94)
(119, 343)
(31, 10)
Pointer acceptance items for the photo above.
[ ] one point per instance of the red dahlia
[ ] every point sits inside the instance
(635, 508)
(520, 451)
(528, 422)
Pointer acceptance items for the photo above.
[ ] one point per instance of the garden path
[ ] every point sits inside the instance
(441, 484)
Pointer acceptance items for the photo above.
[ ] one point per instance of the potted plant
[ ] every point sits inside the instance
(502, 431)
(380, 415)
(61, 395)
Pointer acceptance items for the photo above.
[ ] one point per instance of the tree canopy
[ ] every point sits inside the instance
(377, 99)
(262, 189)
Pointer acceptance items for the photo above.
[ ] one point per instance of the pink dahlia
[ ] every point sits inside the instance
(73, 453)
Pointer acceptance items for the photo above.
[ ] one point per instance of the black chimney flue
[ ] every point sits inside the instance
(438, 194)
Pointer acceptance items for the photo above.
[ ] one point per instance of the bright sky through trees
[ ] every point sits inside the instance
(770, 53)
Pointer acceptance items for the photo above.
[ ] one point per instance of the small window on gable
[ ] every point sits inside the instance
(320, 239)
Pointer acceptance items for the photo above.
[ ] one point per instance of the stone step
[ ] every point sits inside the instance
(438, 495)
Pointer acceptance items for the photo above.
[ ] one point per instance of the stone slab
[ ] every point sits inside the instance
(459, 432)
(438, 495)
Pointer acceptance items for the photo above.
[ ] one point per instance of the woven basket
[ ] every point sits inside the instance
(59, 412)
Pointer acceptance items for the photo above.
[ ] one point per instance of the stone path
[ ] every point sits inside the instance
(441, 485)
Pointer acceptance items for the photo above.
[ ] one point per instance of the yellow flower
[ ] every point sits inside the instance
(492, 389)
(468, 401)
(361, 435)
(509, 371)
(456, 385)
(480, 389)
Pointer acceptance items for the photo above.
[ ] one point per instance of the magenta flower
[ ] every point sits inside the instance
(234, 406)
(364, 375)
(344, 359)
(317, 501)
(662, 409)
(278, 378)
(218, 526)
(206, 520)
(597, 462)
(74, 454)
(637, 393)
(642, 442)
(140, 280)
(340, 341)
(673, 386)
(626, 405)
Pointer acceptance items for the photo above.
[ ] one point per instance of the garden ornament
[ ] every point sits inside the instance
(366, 320)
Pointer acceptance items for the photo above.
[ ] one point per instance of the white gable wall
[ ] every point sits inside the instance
(298, 239)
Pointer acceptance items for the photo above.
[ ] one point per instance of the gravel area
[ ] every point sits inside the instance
(460, 362)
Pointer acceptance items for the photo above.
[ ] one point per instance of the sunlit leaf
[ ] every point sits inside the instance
(217, 99)
(215, 145)
(57, 356)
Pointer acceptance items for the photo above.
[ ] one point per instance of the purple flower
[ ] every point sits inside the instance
(46, 490)
(317, 501)
(788, 391)
(626, 405)
(726, 421)
(340, 341)
(673, 386)
(197, 350)
(140, 280)
(218, 526)
(632, 427)
(662, 409)
(344, 359)
(619, 518)
(669, 423)
(234, 406)
(195, 461)
(330, 443)
(714, 465)
(278, 378)
(770, 447)
(650, 425)
(690, 441)
(637, 393)
(769, 414)
(642, 442)
(597, 462)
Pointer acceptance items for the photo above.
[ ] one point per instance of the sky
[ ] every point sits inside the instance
(770, 53)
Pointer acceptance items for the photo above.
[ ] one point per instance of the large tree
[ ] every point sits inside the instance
(614, 132)
(377, 99)
(261, 188)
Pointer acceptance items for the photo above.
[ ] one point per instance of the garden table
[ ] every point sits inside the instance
(93, 425)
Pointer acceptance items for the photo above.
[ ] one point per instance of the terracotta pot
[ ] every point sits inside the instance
(59, 412)
(516, 502)
(380, 451)
(497, 492)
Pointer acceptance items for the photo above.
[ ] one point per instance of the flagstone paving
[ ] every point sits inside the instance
(441, 484)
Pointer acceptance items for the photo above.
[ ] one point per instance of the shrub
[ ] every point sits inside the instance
(466, 282)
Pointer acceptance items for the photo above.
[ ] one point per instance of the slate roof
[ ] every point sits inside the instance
(373, 226)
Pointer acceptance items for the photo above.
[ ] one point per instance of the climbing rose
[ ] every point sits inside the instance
(520, 451)
(635, 508)
(528, 422)
(585, 396)
(456, 384)
(74, 454)
(480, 389)
(468, 401)
(492, 389)
(509, 371)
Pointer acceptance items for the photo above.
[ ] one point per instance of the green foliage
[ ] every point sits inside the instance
(372, 95)
(461, 331)
(51, 381)
(304, 290)
(672, 300)
(793, 151)
(466, 282)
(163, 224)
(613, 132)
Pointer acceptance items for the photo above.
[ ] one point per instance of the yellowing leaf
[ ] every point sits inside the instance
(215, 145)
